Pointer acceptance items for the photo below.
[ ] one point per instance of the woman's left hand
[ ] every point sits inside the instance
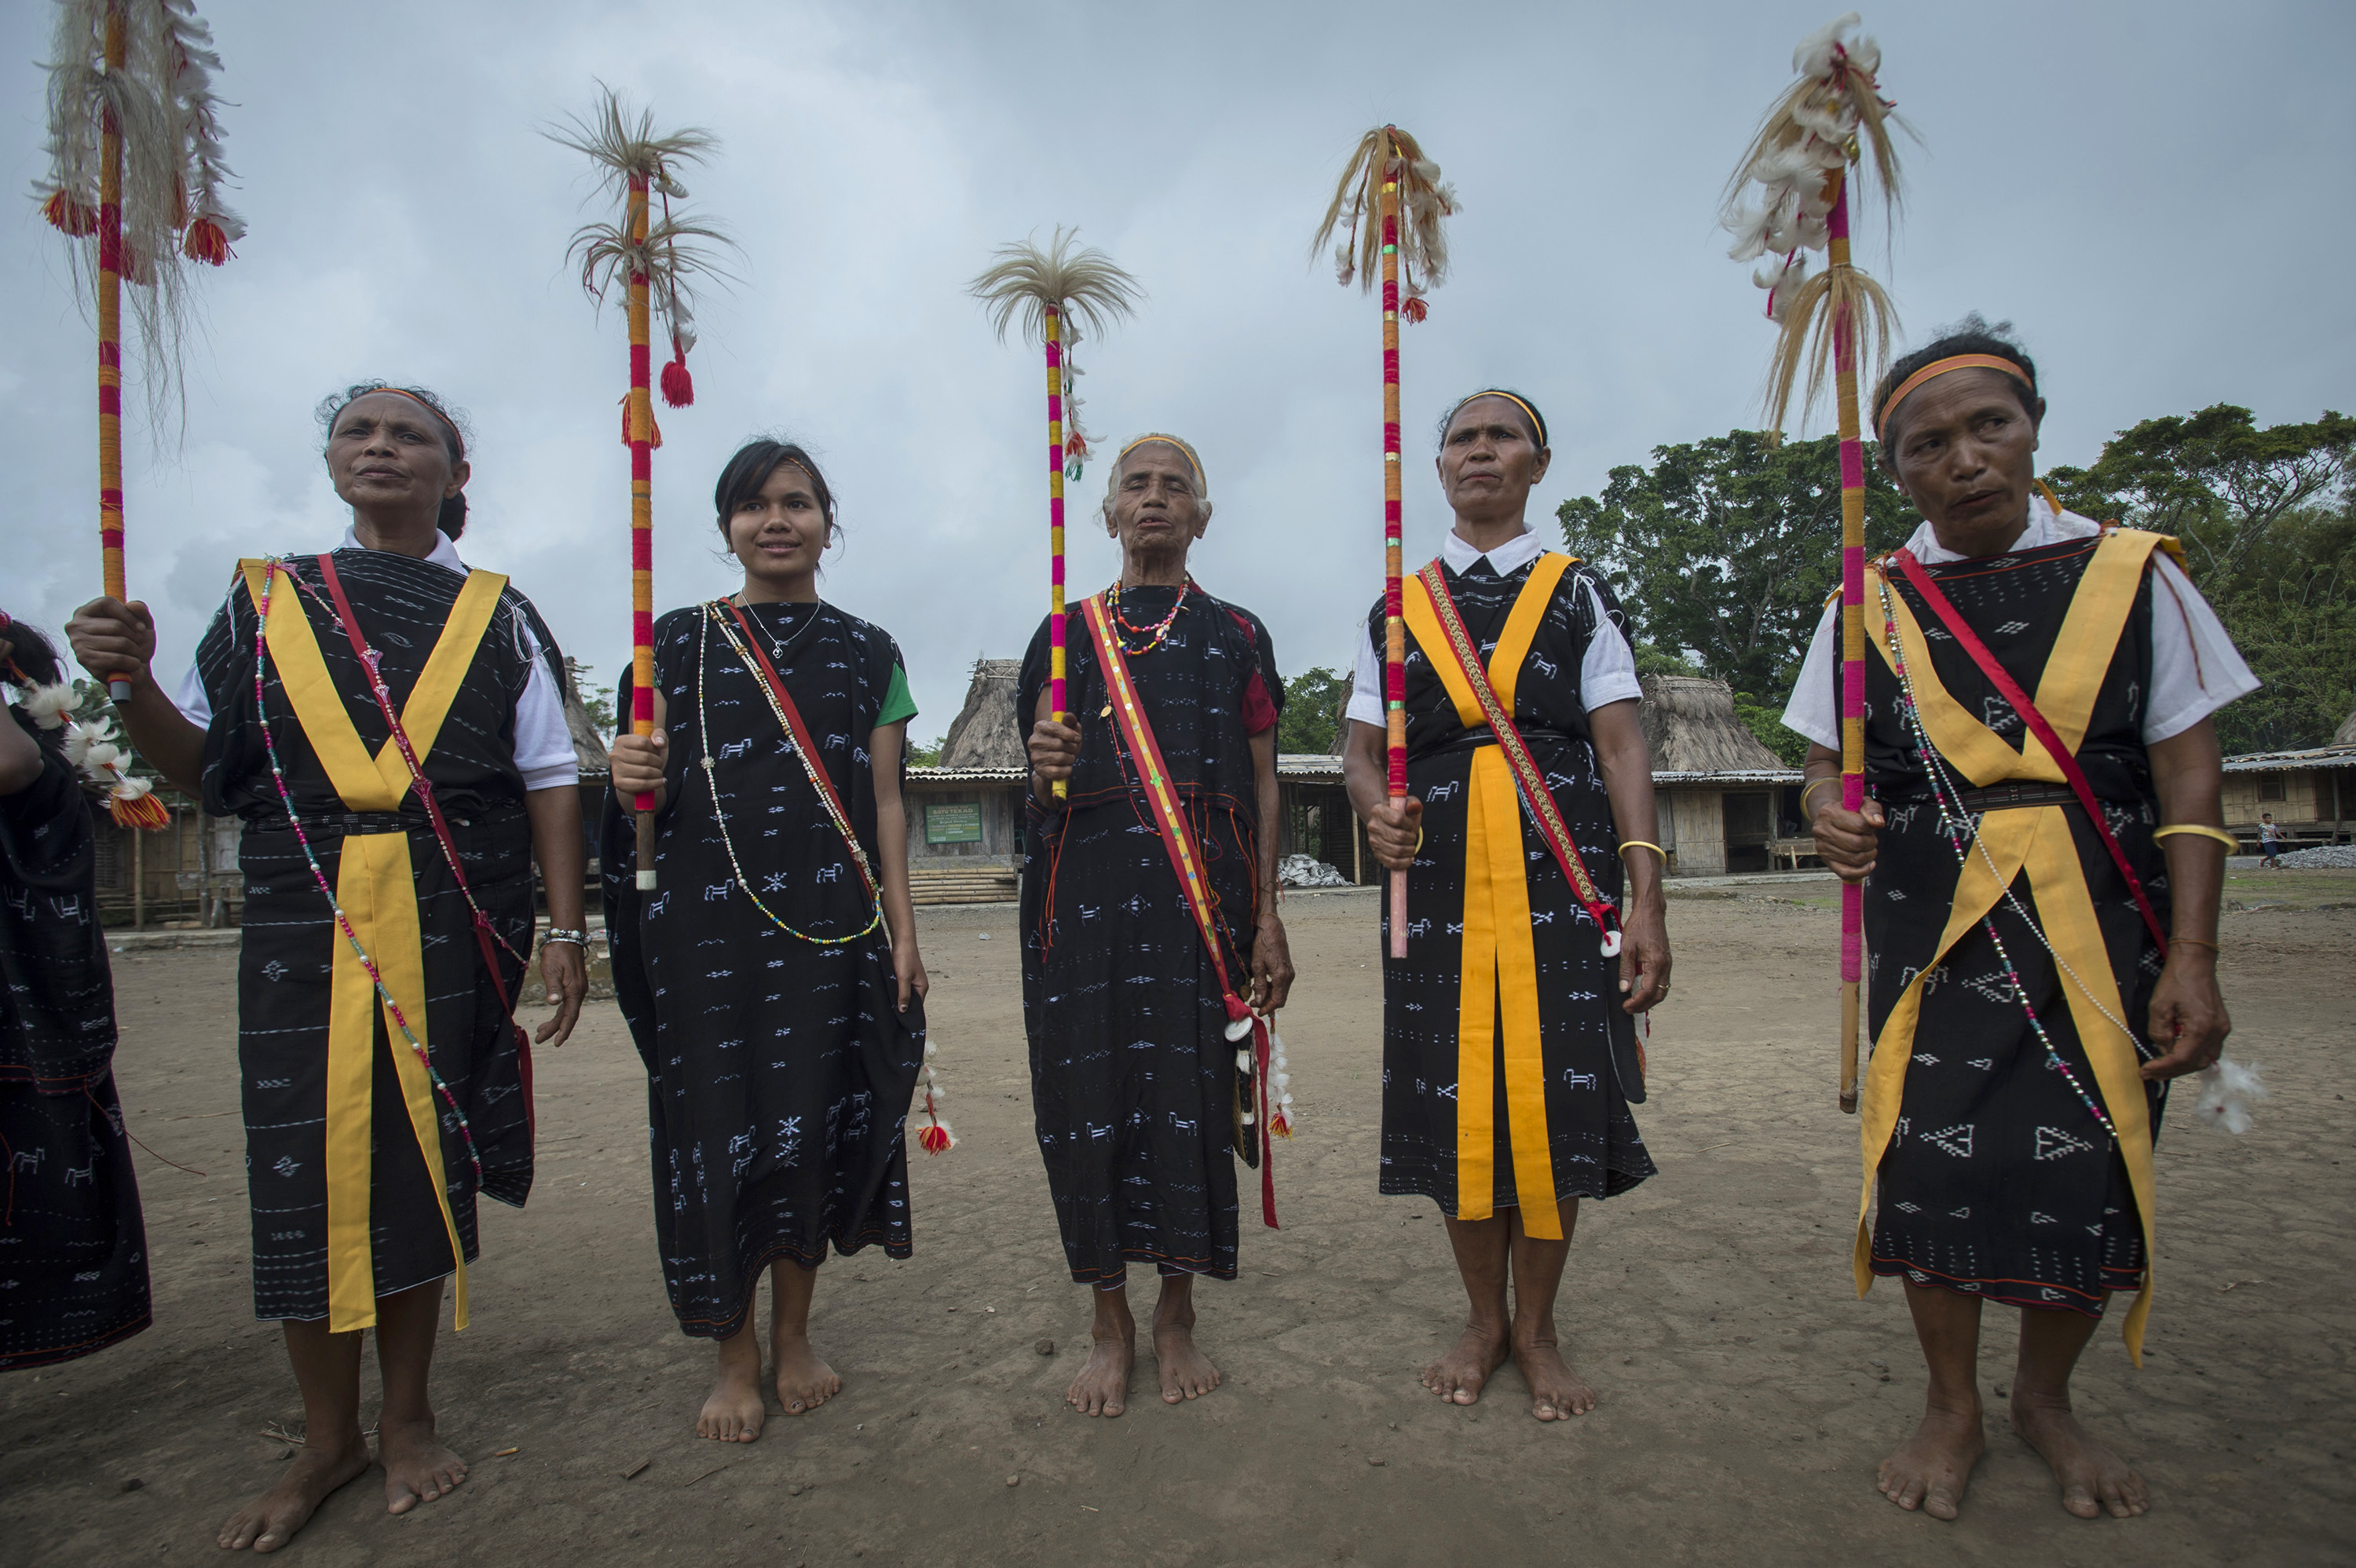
(908, 967)
(2188, 1015)
(1644, 955)
(1272, 977)
(565, 969)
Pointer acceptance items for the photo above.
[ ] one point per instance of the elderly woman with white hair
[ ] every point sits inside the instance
(1149, 921)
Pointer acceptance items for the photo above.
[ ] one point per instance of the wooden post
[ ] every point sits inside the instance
(138, 879)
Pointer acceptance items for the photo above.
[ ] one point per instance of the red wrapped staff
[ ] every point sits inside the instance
(134, 181)
(1390, 197)
(653, 259)
(1830, 120)
(1057, 289)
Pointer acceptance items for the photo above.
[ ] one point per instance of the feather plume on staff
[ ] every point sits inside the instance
(1388, 206)
(1830, 120)
(654, 260)
(1058, 290)
(134, 182)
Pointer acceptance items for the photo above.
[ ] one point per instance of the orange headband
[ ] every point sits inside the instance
(1538, 425)
(1940, 367)
(1184, 451)
(421, 403)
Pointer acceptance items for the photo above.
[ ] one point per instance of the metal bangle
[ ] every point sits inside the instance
(578, 938)
(1819, 783)
(2233, 845)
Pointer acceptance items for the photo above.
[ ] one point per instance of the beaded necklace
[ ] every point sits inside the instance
(809, 765)
(1153, 634)
(270, 568)
(1954, 820)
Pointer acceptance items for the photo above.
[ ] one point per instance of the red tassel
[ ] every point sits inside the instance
(678, 385)
(935, 1140)
(69, 215)
(1412, 308)
(146, 812)
(654, 430)
(206, 243)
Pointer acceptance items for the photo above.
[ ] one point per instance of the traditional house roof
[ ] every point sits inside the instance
(2332, 756)
(1692, 730)
(988, 734)
(588, 746)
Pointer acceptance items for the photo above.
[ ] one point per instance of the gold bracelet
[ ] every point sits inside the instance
(1418, 839)
(1645, 844)
(2233, 845)
(2197, 942)
(1828, 778)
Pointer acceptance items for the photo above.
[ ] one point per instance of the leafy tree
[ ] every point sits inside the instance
(2266, 519)
(1312, 712)
(595, 700)
(1724, 551)
(926, 754)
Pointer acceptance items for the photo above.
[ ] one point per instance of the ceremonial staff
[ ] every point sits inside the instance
(1831, 120)
(654, 259)
(1057, 290)
(135, 178)
(1392, 193)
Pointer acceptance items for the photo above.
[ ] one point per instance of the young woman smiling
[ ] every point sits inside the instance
(774, 985)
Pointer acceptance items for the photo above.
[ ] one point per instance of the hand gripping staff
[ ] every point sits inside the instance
(654, 260)
(134, 180)
(1391, 200)
(1057, 290)
(1831, 120)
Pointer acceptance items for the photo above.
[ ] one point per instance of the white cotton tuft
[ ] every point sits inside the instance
(931, 1050)
(1750, 226)
(49, 705)
(104, 755)
(1284, 1080)
(1814, 54)
(1248, 1118)
(133, 787)
(2227, 1090)
(82, 734)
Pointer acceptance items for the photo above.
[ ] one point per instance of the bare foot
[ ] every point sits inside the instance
(1458, 1375)
(1932, 1469)
(1556, 1393)
(2093, 1479)
(733, 1412)
(1186, 1372)
(271, 1520)
(1102, 1387)
(417, 1467)
(804, 1381)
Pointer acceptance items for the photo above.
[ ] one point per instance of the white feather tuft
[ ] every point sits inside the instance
(2227, 1090)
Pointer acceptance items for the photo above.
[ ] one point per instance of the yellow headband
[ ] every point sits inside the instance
(1184, 451)
(1940, 367)
(1538, 423)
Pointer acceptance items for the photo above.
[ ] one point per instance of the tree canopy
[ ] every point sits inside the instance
(1312, 712)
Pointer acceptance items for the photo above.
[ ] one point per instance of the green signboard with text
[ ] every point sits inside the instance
(953, 822)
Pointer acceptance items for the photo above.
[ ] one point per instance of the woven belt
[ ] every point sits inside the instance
(1999, 797)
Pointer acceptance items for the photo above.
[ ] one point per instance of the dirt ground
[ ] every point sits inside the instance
(1746, 1394)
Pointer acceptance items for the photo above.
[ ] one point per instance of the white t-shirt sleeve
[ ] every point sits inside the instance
(1367, 683)
(1608, 674)
(2195, 669)
(1812, 710)
(196, 704)
(544, 743)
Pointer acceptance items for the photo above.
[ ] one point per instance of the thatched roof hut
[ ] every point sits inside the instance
(1690, 727)
(588, 746)
(985, 733)
(2346, 734)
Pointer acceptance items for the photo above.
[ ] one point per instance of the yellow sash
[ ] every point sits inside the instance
(376, 886)
(1500, 963)
(2036, 840)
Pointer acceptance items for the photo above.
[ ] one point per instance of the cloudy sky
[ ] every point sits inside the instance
(2155, 192)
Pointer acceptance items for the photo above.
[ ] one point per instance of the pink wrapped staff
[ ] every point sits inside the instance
(1057, 289)
(653, 259)
(1390, 197)
(1831, 120)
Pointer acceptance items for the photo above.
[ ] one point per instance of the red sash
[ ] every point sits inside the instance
(1185, 860)
(1531, 784)
(2009, 689)
(792, 716)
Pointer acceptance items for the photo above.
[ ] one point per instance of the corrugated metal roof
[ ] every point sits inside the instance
(2284, 762)
(968, 775)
